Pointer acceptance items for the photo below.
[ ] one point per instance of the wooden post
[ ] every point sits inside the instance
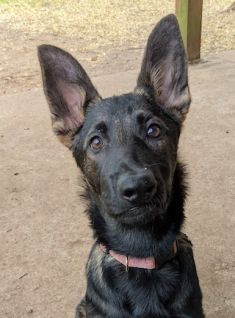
(189, 14)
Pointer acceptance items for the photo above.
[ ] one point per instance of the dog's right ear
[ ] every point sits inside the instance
(68, 90)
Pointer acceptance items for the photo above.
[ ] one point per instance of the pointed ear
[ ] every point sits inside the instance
(68, 90)
(164, 72)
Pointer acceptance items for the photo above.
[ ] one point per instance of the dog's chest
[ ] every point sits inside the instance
(145, 293)
(136, 293)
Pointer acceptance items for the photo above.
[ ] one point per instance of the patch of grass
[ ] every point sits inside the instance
(116, 23)
(32, 3)
(97, 22)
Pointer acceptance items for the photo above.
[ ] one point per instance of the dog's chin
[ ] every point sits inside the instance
(140, 214)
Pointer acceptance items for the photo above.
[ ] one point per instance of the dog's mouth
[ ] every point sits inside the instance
(145, 206)
(142, 212)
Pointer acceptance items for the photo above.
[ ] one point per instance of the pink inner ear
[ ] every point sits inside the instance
(165, 85)
(74, 98)
(168, 90)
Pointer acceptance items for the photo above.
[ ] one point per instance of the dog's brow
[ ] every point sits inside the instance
(145, 116)
(101, 127)
(140, 117)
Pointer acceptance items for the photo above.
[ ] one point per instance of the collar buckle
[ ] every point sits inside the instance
(127, 266)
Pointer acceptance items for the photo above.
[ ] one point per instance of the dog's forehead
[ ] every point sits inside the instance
(126, 102)
(117, 109)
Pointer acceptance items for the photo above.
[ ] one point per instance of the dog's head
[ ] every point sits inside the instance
(126, 146)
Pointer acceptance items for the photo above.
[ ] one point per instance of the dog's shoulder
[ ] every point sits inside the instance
(184, 245)
(183, 241)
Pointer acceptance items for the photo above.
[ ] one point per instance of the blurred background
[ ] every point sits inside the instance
(95, 31)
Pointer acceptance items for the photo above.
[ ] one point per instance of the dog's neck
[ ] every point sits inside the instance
(153, 239)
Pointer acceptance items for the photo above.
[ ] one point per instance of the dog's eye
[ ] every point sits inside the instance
(96, 143)
(153, 131)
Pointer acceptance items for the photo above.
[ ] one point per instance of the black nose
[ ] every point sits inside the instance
(137, 188)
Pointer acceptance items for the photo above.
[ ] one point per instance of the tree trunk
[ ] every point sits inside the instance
(231, 7)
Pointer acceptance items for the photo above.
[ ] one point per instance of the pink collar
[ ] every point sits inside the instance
(129, 261)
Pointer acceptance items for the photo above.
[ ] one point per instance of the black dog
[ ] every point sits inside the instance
(126, 146)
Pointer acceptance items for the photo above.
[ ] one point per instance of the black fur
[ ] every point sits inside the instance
(126, 147)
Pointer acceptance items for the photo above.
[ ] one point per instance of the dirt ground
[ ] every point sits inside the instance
(44, 235)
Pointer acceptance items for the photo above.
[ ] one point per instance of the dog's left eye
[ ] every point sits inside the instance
(153, 131)
(96, 143)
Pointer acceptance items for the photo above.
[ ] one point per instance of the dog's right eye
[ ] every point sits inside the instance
(153, 131)
(96, 143)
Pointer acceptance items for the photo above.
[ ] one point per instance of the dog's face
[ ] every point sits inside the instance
(126, 146)
(127, 151)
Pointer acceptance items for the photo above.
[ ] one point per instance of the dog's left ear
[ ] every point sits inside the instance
(164, 72)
